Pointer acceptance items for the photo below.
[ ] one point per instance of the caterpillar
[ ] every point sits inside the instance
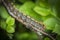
(24, 19)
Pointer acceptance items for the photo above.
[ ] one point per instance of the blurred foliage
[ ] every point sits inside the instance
(45, 11)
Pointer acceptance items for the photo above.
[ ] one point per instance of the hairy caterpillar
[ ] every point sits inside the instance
(26, 20)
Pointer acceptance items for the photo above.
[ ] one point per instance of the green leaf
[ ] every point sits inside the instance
(50, 23)
(46, 17)
(42, 3)
(42, 11)
(10, 21)
(28, 4)
(10, 29)
(2, 24)
(54, 13)
(3, 12)
(57, 29)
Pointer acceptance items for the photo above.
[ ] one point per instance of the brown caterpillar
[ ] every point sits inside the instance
(26, 20)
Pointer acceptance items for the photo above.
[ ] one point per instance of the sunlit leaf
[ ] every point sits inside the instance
(10, 29)
(42, 11)
(10, 21)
